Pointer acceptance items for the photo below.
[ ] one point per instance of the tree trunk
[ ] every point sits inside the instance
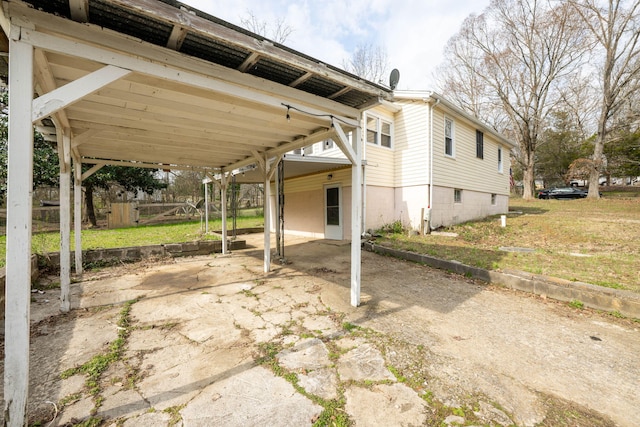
(528, 181)
(598, 150)
(91, 214)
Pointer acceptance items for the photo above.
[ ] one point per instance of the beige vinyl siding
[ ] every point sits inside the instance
(313, 182)
(464, 170)
(380, 166)
(412, 144)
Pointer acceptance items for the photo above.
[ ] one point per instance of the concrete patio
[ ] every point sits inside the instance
(212, 340)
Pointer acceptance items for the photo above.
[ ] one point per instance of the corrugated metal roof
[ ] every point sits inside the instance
(129, 18)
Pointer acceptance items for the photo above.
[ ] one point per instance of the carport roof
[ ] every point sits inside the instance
(295, 166)
(183, 88)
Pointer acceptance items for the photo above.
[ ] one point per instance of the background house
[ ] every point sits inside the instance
(424, 159)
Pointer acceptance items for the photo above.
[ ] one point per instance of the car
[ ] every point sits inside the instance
(562, 193)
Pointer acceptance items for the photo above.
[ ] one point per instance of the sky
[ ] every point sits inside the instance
(413, 32)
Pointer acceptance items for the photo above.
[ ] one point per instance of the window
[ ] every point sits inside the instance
(308, 150)
(372, 130)
(385, 134)
(457, 195)
(379, 132)
(448, 137)
(327, 144)
(500, 159)
(493, 199)
(297, 151)
(479, 144)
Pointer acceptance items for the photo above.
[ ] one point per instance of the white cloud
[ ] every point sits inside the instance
(414, 32)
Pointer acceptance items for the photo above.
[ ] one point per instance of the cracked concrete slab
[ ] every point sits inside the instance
(385, 405)
(306, 354)
(364, 363)
(215, 341)
(253, 397)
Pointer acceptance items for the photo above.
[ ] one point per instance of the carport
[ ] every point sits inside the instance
(155, 84)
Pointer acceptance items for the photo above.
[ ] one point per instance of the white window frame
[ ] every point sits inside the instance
(479, 144)
(451, 137)
(377, 132)
(494, 199)
(500, 160)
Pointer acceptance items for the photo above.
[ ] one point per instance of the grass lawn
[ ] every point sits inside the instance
(593, 241)
(133, 236)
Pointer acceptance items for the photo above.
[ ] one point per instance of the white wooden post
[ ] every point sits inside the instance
(18, 258)
(267, 220)
(64, 153)
(77, 214)
(223, 203)
(356, 217)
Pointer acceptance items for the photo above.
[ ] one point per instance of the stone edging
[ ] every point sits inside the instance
(601, 298)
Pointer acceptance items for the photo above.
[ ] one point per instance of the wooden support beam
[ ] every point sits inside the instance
(274, 167)
(177, 36)
(77, 213)
(303, 78)
(249, 62)
(267, 222)
(47, 82)
(19, 216)
(260, 160)
(343, 143)
(66, 95)
(320, 135)
(79, 10)
(246, 87)
(224, 181)
(91, 171)
(339, 93)
(65, 219)
(356, 218)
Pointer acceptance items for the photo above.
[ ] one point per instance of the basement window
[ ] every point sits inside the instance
(457, 195)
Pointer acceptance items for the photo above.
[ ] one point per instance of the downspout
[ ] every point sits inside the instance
(432, 106)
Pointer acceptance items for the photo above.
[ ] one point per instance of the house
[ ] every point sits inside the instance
(424, 159)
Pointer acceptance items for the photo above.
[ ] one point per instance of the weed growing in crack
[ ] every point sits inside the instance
(174, 412)
(347, 326)
(98, 364)
(333, 410)
(248, 293)
(90, 422)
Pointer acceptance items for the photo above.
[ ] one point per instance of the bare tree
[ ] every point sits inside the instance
(369, 62)
(278, 31)
(616, 27)
(520, 52)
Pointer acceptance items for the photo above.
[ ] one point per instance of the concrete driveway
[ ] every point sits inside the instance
(209, 341)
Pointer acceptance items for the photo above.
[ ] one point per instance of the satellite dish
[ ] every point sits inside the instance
(394, 78)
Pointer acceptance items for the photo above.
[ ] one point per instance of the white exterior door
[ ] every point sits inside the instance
(333, 212)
